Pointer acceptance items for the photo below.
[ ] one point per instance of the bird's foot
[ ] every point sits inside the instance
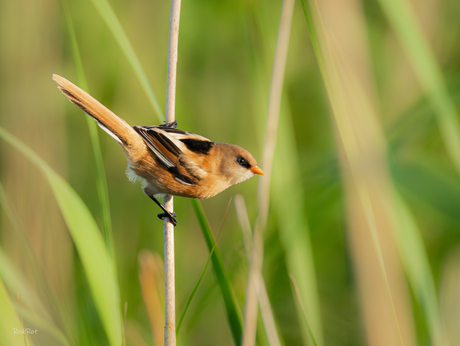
(171, 125)
(170, 216)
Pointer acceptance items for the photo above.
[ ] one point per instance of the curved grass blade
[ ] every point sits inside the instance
(417, 267)
(101, 181)
(192, 295)
(32, 307)
(437, 188)
(9, 210)
(402, 17)
(44, 326)
(98, 265)
(15, 282)
(294, 231)
(9, 321)
(266, 311)
(110, 18)
(231, 304)
(301, 307)
(152, 284)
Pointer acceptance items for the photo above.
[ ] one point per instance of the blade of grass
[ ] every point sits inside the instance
(101, 181)
(448, 297)
(110, 18)
(44, 326)
(16, 282)
(231, 304)
(255, 277)
(295, 287)
(370, 204)
(266, 311)
(9, 321)
(21, 232)
(429, 183)
(98, 265)
(74, 46)
(10, 213)
(273, 110)
(293, 229)
(150, 268)
(192, 295)
(189, 301)
(123, 326)
(418, 271)
(245, 224)
(403, 19)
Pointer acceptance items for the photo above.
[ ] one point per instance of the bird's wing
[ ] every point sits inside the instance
(164, 149)
(166, 145)
(188, 141)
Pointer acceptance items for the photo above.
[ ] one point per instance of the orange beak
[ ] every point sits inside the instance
(256, 170)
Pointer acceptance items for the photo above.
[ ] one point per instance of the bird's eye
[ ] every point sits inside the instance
(241, 161)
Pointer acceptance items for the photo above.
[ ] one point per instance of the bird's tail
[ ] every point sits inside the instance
(106, 119)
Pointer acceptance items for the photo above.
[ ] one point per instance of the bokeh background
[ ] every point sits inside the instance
(366, 143)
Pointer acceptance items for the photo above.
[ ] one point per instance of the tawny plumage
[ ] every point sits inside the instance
(167, 160)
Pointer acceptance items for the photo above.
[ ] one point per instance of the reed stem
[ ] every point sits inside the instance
(170, 304)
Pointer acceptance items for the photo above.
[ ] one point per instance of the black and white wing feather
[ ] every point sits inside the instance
(169, 144)
(156, 141)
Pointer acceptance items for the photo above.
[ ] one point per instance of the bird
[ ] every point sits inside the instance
(165, 159)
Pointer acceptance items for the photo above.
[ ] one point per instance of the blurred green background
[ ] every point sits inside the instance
(226, 52)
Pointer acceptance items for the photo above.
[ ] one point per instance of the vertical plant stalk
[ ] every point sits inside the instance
(228, 294)
(258, 282)
(110, 18)
(170, 299)
(402, 17)
(101, 180)
(274, 101)
(151, 282)
(342, 52)
(170, 294)
(264, 302)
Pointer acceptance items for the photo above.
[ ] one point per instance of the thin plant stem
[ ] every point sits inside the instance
(170, 304)
(228, 294)
(274, 102)
(273, 111)
(192, 295)
(295, 287)
(110, 18)
(369, 203)
(151, 282)
(262, 295)
(172, 61)
(101, 180)
(170, 294)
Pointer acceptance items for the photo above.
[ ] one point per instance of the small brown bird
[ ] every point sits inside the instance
(168, 161)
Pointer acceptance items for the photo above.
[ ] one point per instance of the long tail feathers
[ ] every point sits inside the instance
(105, 118)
